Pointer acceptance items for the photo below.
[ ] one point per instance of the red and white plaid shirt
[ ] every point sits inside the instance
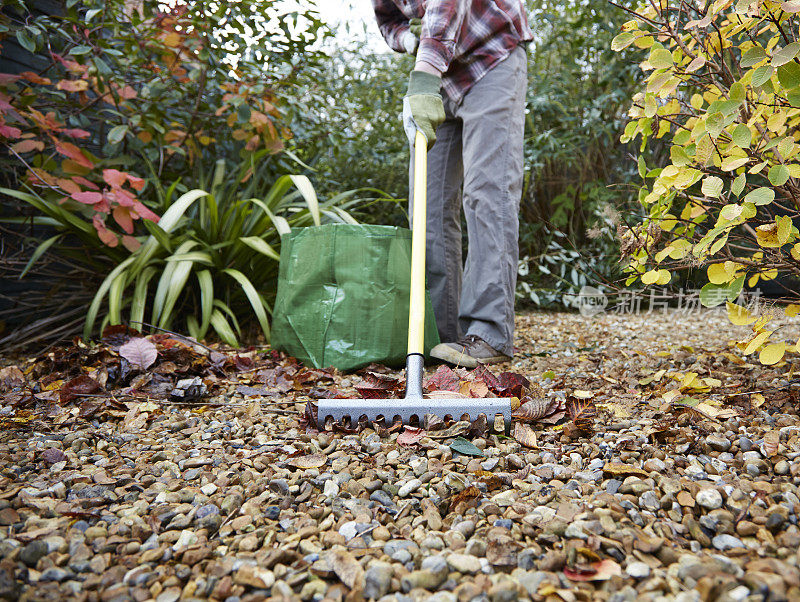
(461, 38)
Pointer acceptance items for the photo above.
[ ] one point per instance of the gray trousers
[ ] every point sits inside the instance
(477, 159)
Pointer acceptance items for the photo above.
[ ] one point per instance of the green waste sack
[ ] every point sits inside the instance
(343, 295)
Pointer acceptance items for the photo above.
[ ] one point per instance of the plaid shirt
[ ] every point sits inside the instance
(464, 39)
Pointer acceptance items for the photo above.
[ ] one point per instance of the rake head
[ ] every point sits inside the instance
(412, 407)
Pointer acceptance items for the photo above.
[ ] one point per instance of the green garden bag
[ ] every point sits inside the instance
(343, 294)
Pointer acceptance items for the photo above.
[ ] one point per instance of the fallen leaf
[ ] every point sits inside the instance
(467, 494)
(462, 446)
(310, 461)
(139, 352)
(770, 445)
(525, 435)
(583, 413)
(596, 571)
(377, 386)
(347, 568)
(454, 430)
(11, 377)
(444, 379)
(80, 385)
(410, 436)
(513, 384)
(532, 409)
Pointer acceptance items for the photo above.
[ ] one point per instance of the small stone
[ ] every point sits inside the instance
(781, 467)
(425, 579)
(32, 552)
(272, 512)
(409, 488)
(638, 570)
(649, 501)
(252, 576)
(718, 442)
(377, 580)
(726, 542)
(464, 563)
(54, 574)
(709, 498)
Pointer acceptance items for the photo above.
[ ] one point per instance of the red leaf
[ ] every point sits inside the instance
(73, 85)
(87, 197)
(410, 436)
(145, 213)
(81, 385)
(583, 412)
(84, 182)
(27, 146)
(444, 379)
(122, 216)
(5, 105)
(8, 78)
(106, 235)
(483, 373)
(35, 78)
(513, 384)
(135, 182)
(7, 131)
(76, 133)
(131, 243)
(140, 352)
(114, 177)
(71, 151)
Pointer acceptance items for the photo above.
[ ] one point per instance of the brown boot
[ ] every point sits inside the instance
(468, 352)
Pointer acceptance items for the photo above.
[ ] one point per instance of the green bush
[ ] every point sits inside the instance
(722, 91)
(211, 260)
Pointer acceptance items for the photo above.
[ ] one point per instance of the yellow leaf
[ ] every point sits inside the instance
(717, 274)
(756, 342)
(739, 315)
(670, 395)
(792, 310)
(772, 354)
(650, 277)
(664, 276)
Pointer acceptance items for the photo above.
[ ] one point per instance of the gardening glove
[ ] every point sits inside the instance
(411, 36)
(423, 108)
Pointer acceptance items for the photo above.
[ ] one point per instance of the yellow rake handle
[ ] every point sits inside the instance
(416, 308)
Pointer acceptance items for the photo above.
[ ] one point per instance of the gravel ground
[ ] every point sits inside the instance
(685, 487)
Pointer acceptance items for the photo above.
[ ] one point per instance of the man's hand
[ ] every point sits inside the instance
(423, 108)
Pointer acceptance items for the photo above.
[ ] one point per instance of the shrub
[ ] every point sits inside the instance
(723, 91)
(211, 260)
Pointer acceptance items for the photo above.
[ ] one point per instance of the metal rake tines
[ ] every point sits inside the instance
(410, 411)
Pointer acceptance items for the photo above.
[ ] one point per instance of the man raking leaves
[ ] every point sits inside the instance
(471, 53)
(466, 94)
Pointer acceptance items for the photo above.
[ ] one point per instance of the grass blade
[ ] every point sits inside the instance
(40, 250)
(206, 283)
(260, 245)
(255, 299)
(223, 329)
(305, 187)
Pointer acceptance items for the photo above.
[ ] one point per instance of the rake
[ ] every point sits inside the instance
(414, 406)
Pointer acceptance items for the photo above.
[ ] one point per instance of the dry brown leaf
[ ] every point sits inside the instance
(532, 409)
(410, 436)
(583, 412)
(525, 435)
(347, 568)
(310, 461)
(770, 444)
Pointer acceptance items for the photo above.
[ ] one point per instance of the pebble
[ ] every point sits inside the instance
(709, 498)
(238, 504)
(726, 542)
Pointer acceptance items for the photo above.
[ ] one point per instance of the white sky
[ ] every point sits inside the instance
(354, 19)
